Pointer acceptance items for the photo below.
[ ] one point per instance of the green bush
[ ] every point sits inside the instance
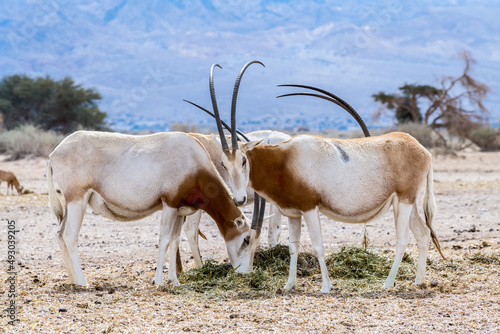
(487, 138)
(52, 105)
(28, 141)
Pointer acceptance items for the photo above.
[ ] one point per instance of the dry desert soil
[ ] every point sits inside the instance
(461, 295)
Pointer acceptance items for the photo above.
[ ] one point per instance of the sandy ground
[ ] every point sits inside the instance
(123, 255)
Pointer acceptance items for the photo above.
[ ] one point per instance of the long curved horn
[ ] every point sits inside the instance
(315, 95)
(256, 212)
(351, 111)
(260, 219)
(332, 98)
(223, 141)
(233, 104)
(259, 206)
(224, 124)
(258, 216)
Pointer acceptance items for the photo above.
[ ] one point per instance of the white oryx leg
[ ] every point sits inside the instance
(402, 234)
(191, 228)
(68, 239)
(314, 227)
(273, 238)
(422, 235)
(294, 227)
(172, 267)
(168, 229)
(65, 253)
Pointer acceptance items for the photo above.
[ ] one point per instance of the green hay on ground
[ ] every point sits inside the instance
(360, 263)
(211, 270)
(276, 260)
(271, 270)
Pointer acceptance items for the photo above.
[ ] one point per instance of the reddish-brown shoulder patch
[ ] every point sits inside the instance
(272, 175)
(206, 191)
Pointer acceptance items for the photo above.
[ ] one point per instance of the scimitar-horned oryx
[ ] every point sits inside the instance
(126, 178)
(350, 181)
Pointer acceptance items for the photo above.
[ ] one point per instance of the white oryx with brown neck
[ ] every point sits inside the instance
(231, 163)
(350, 181)
(125, 178)
(214, 149)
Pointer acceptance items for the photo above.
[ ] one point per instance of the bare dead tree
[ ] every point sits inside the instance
(459, 107)
(456, 106)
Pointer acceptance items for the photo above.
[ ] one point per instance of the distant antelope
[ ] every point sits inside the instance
(125, 178)
(352, 181)
(11, 180)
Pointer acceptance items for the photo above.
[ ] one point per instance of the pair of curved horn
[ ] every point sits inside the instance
(259, 206)
(224, 124)
(234, 137)
(259, 203)
(332, 98)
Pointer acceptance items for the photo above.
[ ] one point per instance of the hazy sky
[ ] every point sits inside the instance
(146, 56)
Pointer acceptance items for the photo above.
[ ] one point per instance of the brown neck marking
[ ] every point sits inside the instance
(272, 174)
(207, 192)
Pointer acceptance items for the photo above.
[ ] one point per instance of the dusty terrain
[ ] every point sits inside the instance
(119, 261)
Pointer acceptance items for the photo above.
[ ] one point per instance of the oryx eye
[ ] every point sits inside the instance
(244, 162)
(247, 240)
(223, 166)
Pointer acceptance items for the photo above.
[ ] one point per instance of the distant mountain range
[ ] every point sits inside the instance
(145, 57)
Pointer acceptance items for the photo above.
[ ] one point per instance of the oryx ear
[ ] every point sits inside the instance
(245, 147)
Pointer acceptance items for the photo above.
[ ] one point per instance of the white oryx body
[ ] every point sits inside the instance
(214, 149)
(350, 181)
(126, 178)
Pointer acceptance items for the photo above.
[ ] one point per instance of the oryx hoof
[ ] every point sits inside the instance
(173, 282)
(82, 284)
(327, 288)
(388, 286)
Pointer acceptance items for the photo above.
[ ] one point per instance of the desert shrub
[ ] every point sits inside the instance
(28, 140)
(184, 127)
(421, 132)
(487, 138)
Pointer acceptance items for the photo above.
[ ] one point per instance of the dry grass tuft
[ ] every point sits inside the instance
(28, 141)
(490, 258)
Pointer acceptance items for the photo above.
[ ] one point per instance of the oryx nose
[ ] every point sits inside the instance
(238, 203)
